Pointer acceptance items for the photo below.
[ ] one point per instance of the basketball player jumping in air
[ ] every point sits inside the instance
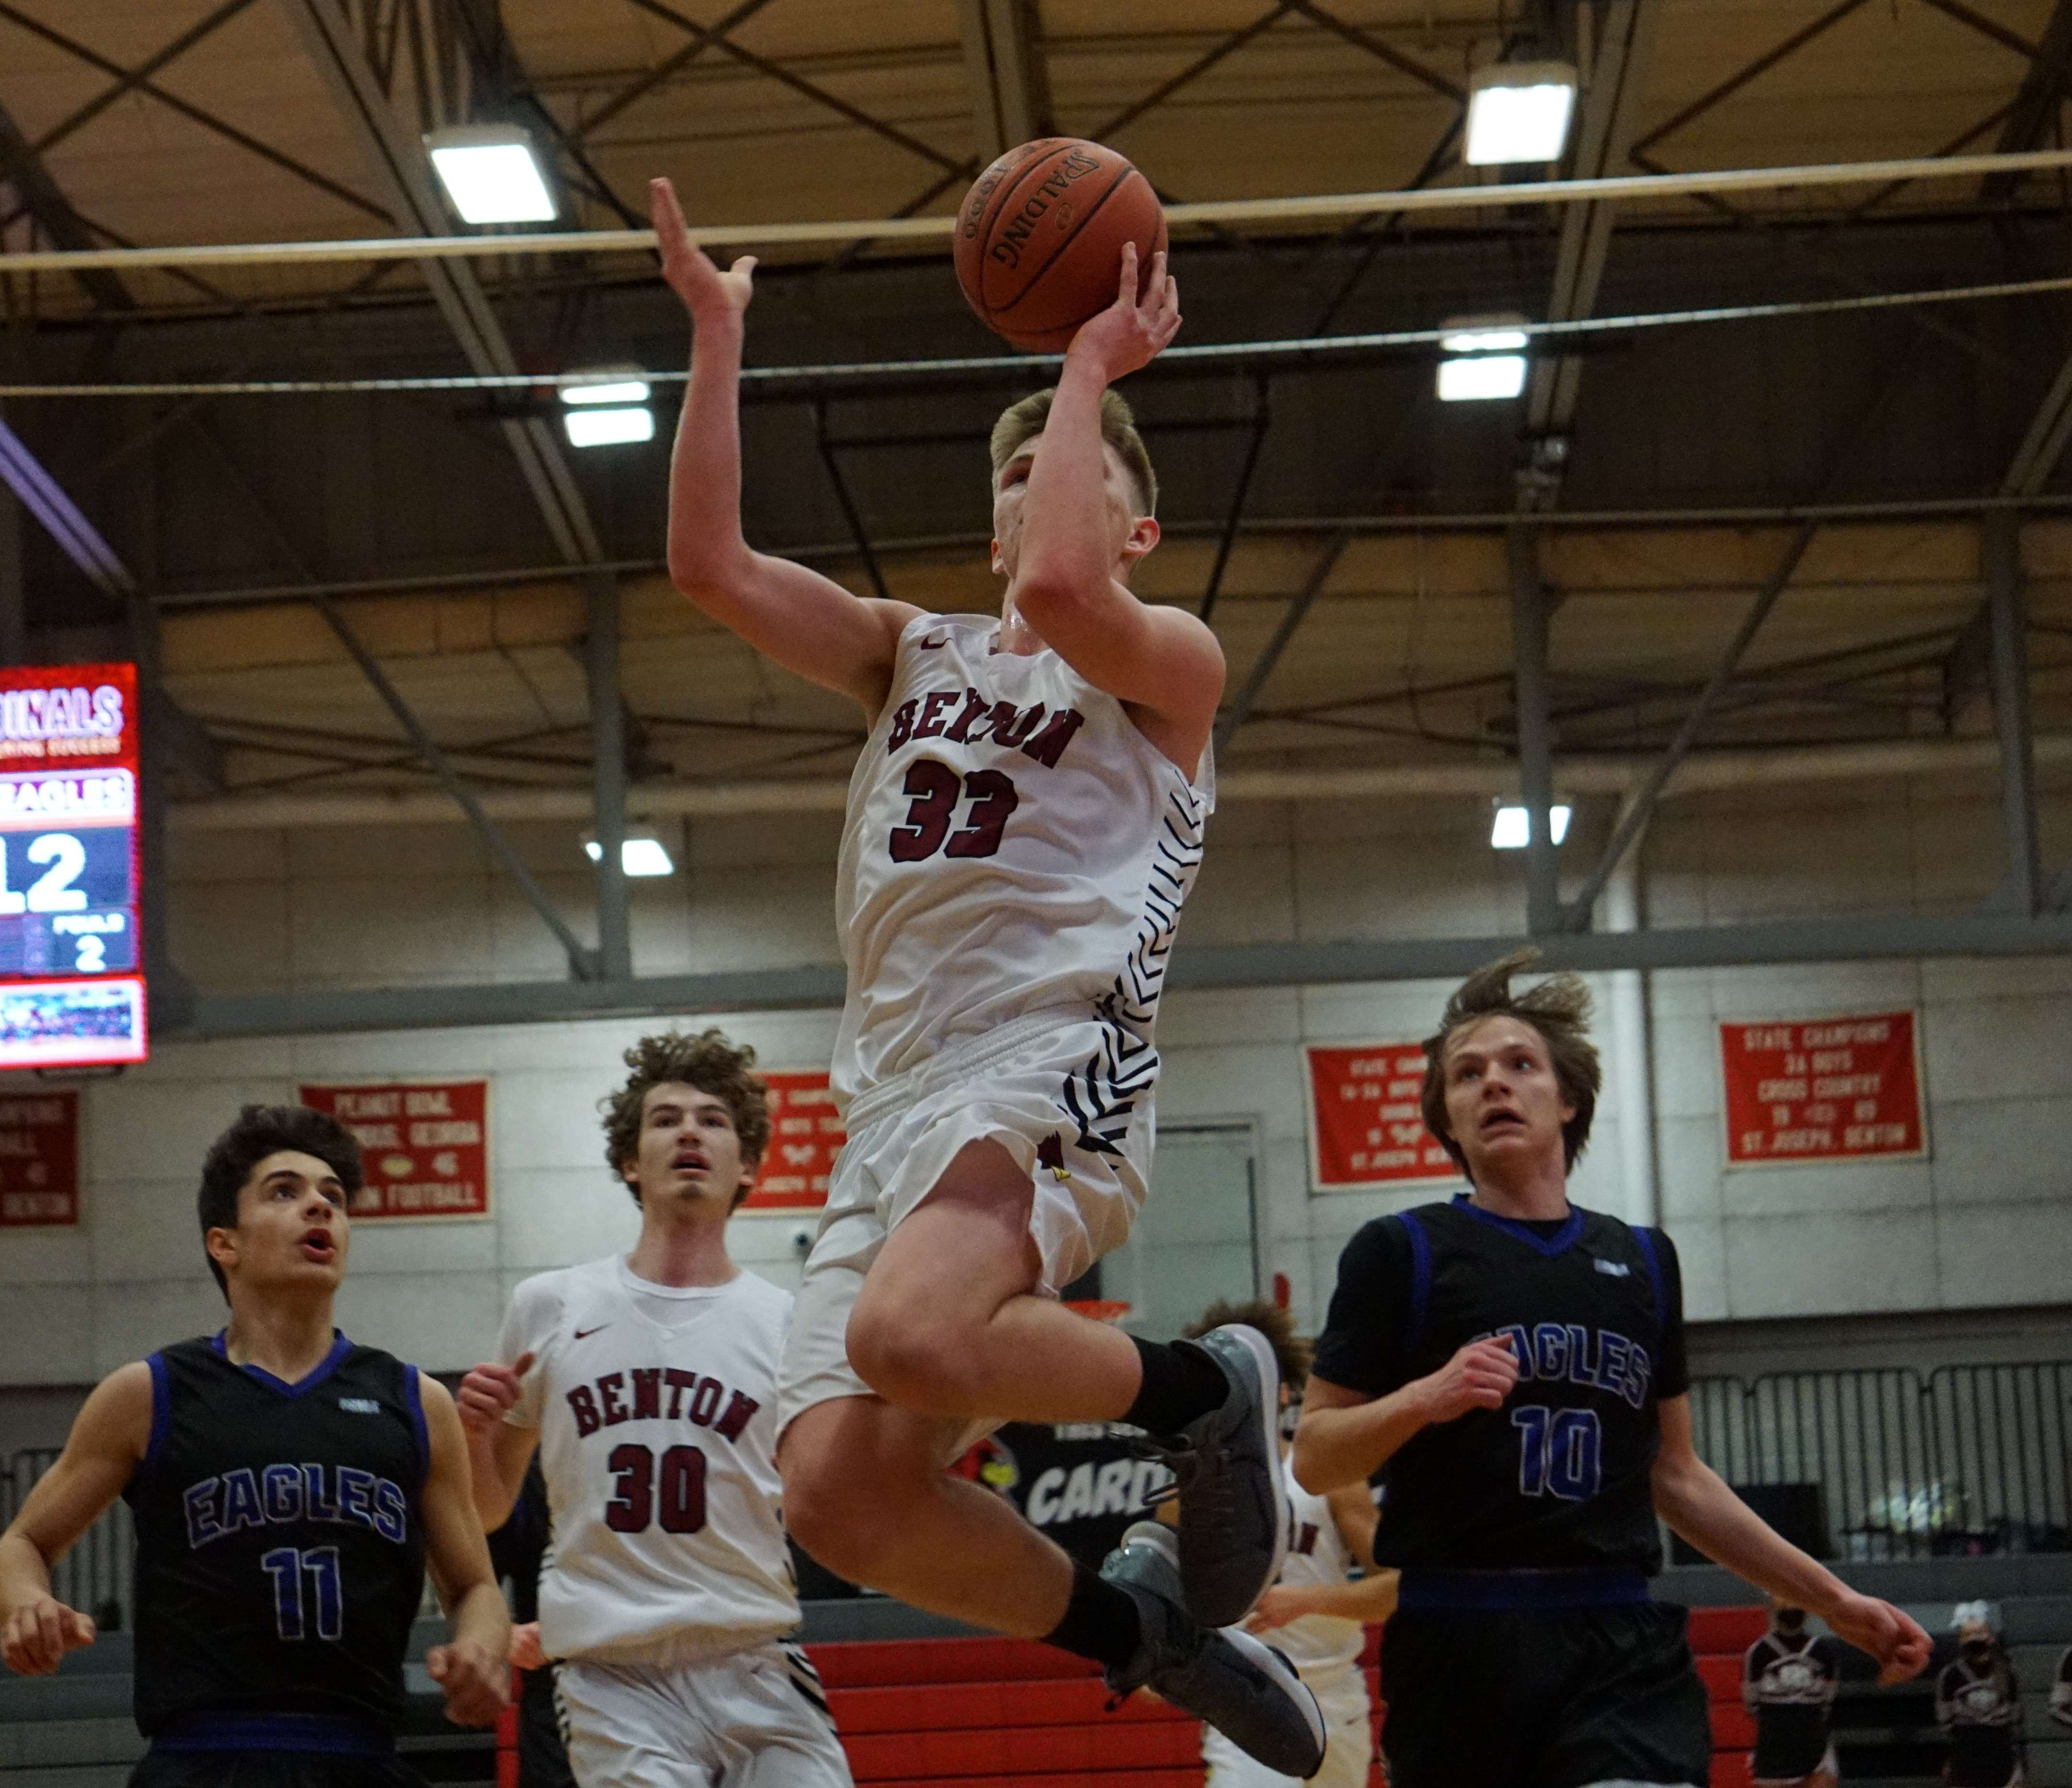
(1024, 823)
(289, 1488)
(1515, 1367)
(647, 1383)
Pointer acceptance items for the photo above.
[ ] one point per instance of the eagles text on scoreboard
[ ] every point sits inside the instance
(71, 988)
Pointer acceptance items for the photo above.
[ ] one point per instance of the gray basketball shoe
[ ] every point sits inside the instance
(1233, 1502)
(1247, 1691)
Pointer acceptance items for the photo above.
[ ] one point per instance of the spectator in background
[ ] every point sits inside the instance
(1977, 1704)
(517, 1551)
(1788, 1683)
(2061, 1691)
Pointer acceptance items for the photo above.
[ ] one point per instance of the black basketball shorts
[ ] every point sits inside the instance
(1542, 1697)
(159, 1769)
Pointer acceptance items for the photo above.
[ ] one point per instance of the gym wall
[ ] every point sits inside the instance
(1985, 1224)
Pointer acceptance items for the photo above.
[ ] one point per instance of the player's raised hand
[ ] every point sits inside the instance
(1479, 1377)
(707, 293)
(1132, 330)
(1888, 1633)
(39, 1633)
(489, 1390)
(476, 1681)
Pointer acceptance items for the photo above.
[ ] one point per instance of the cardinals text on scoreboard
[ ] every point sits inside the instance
(70, 991)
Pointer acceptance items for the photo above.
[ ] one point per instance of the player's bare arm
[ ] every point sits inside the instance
(1700, 1508)
(498, 1450)
(1346, 1436)
(470, 1666)
(1163, 663)
(1370, 1599)
(102, 1454)
(808, 624)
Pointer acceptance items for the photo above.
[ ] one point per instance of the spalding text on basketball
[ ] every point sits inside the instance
(1008, 241)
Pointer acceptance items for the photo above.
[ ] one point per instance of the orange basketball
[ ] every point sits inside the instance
(1040, 235)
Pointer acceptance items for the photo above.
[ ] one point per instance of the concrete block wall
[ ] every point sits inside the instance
(1986, 1224)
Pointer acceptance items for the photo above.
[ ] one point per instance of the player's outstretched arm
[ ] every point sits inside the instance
(1162, 661)
(1346, 1437)
(108, 1440)
(470, 1666)
(808, 623)
(1698, 1505)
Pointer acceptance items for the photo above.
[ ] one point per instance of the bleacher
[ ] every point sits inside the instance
(922, 1705)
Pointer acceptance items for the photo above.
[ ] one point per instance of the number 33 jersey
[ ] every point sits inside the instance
(1014, 844)
(656, 1439)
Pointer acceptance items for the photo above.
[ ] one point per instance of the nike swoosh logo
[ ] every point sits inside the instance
(934, 645)
(584, 1333)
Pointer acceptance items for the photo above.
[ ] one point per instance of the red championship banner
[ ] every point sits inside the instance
(39, 1160)
(425, 1145)
(806, 1133)
(1824, 1090)
(1365, 1126)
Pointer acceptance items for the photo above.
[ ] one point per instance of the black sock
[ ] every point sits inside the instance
(1100, 1621)
(1180, 1384)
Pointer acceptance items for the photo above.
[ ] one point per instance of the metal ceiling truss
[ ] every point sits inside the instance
(1010, 88)
(344, 37)
(133, 80)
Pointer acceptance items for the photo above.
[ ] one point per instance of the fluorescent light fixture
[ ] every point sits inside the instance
(610, 385)
(491, 173)
(610, 426)
(1518, 112)
(1512, 828)
(1480, 377)
(637, 856)
(1485, 358)
(1484, 341)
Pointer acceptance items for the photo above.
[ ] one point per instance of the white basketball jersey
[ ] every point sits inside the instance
(1317, 1553)
(1014, 844)
(656, 1443)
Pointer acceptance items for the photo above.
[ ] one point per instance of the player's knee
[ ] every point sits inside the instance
(916, 1360)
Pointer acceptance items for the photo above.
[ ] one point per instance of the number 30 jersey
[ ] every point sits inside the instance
(1014, 844)
(657, 1440)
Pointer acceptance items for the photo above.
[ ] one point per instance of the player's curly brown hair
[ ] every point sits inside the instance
(1559, 1009)
(1022, 421)
(1291, 1353)
(707, 1062)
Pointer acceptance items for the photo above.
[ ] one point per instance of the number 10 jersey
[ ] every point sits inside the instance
(657, 1444)
(1014, 844)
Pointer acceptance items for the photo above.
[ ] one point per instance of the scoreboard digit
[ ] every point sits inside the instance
(70, 989)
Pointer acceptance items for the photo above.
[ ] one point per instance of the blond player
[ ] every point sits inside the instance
(1024, 822)
(646, 1382)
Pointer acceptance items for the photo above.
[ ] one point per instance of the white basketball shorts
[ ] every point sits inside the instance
(1068, 1096)
(752, 1719)
(1340, 1693)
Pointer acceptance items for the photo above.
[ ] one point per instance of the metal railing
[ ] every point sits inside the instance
(1967, 1459)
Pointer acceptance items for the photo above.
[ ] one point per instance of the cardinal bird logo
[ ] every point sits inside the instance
(1050, 1153)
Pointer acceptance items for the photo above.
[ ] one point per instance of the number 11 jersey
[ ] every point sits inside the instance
(1014, 844)
(657, 1440)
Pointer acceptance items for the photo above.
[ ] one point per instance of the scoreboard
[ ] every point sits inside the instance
(71, 990)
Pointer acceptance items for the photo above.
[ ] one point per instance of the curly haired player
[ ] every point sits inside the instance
(646, 1383)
